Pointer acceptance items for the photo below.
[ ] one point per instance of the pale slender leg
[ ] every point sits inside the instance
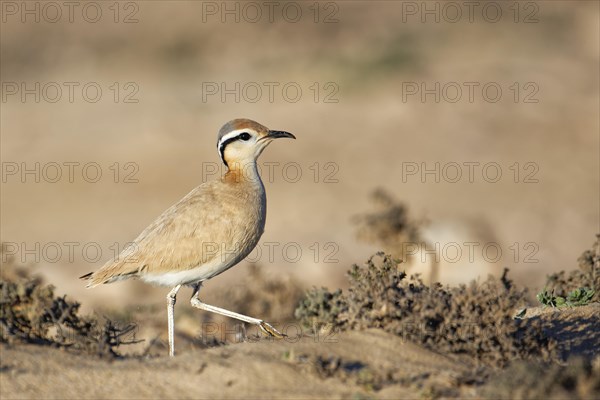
(264, 326)
(171, 298)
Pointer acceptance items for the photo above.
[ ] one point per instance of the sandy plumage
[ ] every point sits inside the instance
(212, 228)
(208, 231)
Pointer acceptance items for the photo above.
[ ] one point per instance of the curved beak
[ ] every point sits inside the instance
(278, 134)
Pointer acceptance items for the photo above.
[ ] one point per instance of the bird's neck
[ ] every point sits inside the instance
(243, 172)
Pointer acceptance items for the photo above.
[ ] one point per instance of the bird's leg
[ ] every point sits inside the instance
(264, 326)
(171, 298)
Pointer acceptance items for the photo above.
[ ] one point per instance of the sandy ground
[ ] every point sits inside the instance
(248, 370)
(355, 364)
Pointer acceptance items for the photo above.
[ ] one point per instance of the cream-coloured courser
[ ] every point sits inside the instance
(208, 231)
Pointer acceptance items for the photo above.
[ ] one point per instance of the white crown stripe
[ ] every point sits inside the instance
(230, 135)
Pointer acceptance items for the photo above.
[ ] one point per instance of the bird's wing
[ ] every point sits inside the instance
(180, 238)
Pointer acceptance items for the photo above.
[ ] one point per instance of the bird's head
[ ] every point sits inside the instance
(241, 141)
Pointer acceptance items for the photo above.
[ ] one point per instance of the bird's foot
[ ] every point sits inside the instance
(268, 328)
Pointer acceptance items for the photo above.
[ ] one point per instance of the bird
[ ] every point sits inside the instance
(211, 229)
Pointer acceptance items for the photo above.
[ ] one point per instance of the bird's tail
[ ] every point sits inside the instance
(91, 280)
(107, 274)
(124, 266)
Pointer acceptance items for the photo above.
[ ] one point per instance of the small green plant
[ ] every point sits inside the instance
(560, 284)
(578, 297)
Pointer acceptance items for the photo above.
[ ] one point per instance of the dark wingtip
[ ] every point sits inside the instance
(86, 276)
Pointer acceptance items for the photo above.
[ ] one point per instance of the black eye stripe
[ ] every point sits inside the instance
(230, 140)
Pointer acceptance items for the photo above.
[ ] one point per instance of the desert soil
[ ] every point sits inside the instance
(354, 364)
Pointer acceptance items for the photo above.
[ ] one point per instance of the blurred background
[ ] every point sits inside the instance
(477, 125)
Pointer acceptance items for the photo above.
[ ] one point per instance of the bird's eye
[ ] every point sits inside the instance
(245, 136)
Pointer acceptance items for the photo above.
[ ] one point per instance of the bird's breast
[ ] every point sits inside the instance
(243, 217)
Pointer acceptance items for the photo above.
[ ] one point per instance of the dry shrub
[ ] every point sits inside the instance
(30, 312)
(321, 308)
(389, 226)
(587, 276)
(475, 319)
